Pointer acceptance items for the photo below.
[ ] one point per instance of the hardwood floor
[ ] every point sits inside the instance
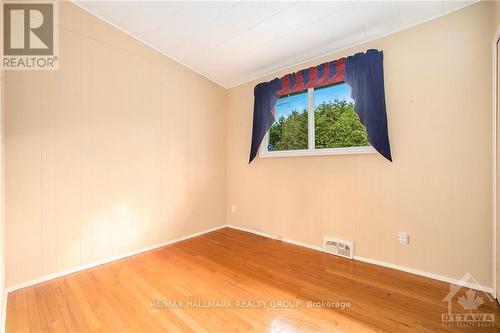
(230, 281)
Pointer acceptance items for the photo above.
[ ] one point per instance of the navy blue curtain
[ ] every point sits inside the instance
(364, 73)
(266, 96)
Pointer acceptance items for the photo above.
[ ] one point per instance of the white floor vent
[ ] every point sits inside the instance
(338, 247)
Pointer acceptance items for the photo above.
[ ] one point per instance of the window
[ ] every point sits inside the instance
(317, 121)
(290, 130)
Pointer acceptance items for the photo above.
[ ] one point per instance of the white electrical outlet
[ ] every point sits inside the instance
(403, 238)
(233, 208)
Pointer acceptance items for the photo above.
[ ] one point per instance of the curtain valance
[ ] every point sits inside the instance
(364, 74)
(314, 77)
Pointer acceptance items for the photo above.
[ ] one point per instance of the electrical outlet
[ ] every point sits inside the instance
(403, 238)
(233, 209)
(280, 238)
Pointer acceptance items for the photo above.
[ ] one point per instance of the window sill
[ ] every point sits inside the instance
(317, 152)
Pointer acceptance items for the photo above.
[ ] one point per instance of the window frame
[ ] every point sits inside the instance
(311, 150)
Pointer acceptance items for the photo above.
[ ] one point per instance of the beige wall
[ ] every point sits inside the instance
(2, 195)
(119, 149)
(497, 173)
(496, 11)
(438, 189)
(496, 27)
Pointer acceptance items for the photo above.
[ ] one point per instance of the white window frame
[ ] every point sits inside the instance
(311, 151)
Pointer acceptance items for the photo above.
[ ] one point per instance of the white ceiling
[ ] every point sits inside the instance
(231, 42)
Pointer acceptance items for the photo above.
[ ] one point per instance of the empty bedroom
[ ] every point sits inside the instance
(249, 166)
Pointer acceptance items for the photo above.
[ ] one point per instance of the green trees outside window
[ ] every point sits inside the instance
(336, 125)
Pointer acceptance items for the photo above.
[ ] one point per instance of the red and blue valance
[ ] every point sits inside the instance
(325, 74)
(364, 74)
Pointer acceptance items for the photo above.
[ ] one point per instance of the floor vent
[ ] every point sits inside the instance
(338, 247)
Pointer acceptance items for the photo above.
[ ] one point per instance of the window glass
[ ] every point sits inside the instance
(336, 124)
(289, 131)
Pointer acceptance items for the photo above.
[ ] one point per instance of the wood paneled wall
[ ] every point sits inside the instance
(119, 149)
